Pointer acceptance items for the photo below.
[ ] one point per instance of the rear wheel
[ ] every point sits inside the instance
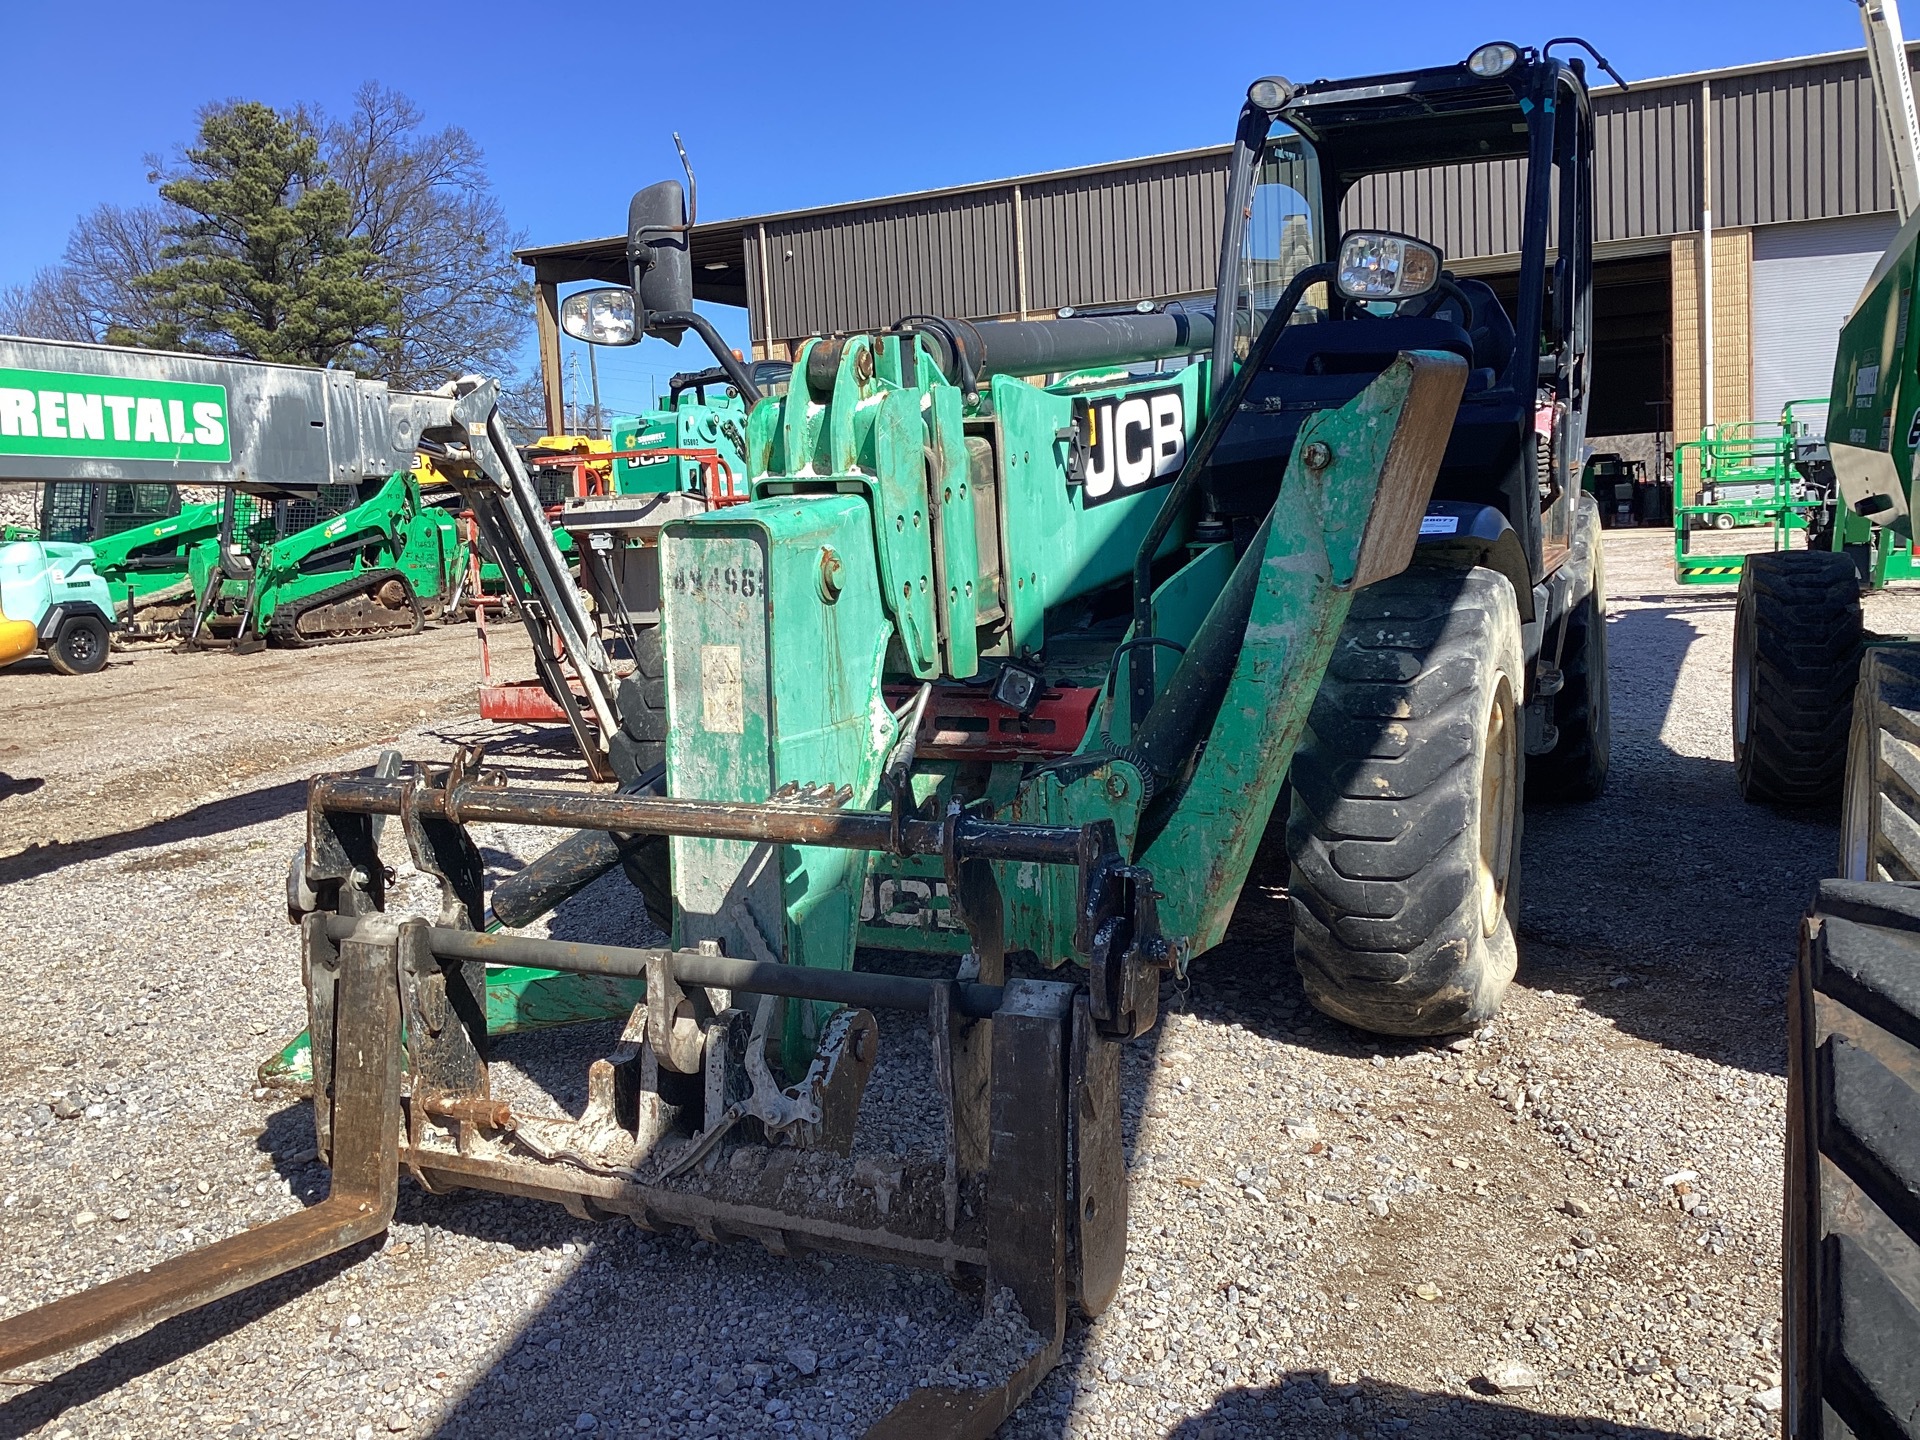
(1796, 658)
(1723, 521)
(1851, 1242)
(1404, 832)
(80, 645)
(1880, 805)
(642, 696)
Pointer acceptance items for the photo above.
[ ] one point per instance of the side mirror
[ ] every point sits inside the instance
(600, 317)
(1379, 265)
(658, 256)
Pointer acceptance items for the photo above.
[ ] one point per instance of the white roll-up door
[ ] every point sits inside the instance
(1806, 277)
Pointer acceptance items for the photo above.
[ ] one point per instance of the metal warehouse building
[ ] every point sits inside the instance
(1778, 166)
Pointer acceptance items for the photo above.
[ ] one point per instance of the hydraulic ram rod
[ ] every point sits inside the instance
(777, 824)
(693, 967)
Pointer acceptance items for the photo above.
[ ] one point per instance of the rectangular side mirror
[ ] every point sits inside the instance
(659, 257)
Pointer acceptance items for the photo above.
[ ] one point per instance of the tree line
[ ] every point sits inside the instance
(367, 242)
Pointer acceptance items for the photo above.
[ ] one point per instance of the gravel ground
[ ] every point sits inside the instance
(1567, 1223)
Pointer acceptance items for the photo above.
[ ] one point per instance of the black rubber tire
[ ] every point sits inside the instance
(1398, 925)
(642, 698)
(1796, 660)
(1880, 803)
(81, 645)
(1851, 1241)
(1576, 768)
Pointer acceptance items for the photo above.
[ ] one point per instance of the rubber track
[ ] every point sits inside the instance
(283, 630)
(1382, 830)
(1798, 615)
(1852, 1235)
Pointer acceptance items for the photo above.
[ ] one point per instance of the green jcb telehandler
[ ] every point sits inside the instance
(1061, 639)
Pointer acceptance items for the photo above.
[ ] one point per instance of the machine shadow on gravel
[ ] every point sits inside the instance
(1307, 1404)
(1667, 905)
(212, 817)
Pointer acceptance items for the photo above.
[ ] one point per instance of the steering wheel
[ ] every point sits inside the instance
(1443, 292)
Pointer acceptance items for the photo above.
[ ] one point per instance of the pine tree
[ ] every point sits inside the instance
(260, 260)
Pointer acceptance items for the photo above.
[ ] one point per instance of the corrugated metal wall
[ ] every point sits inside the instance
(1798, 144)
(1790, 144)
(1139, 234)
(853, 269)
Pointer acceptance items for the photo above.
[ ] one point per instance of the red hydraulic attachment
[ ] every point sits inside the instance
(965, 723)
(717, 482)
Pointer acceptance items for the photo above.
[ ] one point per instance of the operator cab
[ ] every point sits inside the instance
(1348, 294)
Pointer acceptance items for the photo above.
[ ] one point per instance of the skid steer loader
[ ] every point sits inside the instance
(1057, 642)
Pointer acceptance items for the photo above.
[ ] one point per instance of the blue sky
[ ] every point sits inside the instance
(781, 106)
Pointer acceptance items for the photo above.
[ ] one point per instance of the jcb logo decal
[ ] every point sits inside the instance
(1134, 443)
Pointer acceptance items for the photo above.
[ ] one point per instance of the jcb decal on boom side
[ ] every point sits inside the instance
(1134, 442)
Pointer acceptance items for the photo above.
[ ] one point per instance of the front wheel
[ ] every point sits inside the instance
(1723, 522)
(80, 646)
(1404, 832)
(1796, 659)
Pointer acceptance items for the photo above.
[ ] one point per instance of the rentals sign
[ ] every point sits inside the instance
(94, 417)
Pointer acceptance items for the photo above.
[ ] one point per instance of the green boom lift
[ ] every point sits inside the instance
(1053, 609)
(1822, 712)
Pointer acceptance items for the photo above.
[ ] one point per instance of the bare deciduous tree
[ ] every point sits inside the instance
(90, 294)
(421, 204)
(440, 239)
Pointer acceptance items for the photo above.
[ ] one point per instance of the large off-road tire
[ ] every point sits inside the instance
(1404, 831)
(1851, 1246)
(1576, 768)
(642, 697)
(80, 646)
(1796, 658)
(1880, 804)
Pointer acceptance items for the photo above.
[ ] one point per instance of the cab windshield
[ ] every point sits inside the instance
(1284, 230)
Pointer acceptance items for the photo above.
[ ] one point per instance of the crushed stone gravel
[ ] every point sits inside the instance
(1566, 1223)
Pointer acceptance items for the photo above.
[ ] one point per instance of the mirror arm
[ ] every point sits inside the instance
(737, 371)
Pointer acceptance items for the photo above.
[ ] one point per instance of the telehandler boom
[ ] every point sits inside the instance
(1047, 610)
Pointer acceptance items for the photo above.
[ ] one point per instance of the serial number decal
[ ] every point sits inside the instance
(718, 580)
(723, 709)
(1134, 443)
(1439, 524)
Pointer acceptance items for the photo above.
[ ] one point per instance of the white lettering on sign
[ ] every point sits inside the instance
(1133, 443)
(53, 415)
(149, 421)
(1866, 384)
(208, 427)
(120, 406)
(723, 709)
(16, 413)
(83, 417)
